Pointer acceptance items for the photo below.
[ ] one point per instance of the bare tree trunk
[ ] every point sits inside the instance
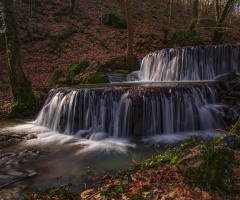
(129, 55)
(217, 10)
(218, 31)
(195, 15)
(167, 28)
(20, 85)
(74, 6)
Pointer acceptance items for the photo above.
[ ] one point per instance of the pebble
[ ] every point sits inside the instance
(197, 189)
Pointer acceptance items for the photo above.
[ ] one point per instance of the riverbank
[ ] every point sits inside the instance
(170, 175)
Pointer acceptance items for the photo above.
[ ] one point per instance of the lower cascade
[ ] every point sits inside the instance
(137, 111)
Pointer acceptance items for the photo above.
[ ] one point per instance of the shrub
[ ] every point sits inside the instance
(186, 38)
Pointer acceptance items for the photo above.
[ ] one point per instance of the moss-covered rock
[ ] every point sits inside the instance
(210, 167)
(186, 38)
(95, 78)
(56, 76)
(100, 79)
(114, 20)
(114, 65)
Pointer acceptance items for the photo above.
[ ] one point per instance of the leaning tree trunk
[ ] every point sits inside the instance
(74, 6)
(129, 55)
(217, 36)
(20, 85)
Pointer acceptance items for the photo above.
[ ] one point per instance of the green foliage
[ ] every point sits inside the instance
(236, 128)
(237, 79)
(100, 79)
(172, 155)
(57, 19)
(57, 74)
(186, 38)
(28, 108)
(60, 192)
(215, 170)
(103, 44)
(56, 40)
(4, 87)
(174, 160)
(111, 192)
(74, 70)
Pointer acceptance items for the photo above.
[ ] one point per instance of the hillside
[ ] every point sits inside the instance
(52, 38)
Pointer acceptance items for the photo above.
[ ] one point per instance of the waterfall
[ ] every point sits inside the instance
(96, 113)
(136, 111)
(190, 63)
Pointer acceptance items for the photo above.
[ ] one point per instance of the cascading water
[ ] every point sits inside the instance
(146, 111)
(137, 111)
(190, 63)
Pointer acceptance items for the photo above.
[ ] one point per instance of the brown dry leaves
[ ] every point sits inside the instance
(155, 183)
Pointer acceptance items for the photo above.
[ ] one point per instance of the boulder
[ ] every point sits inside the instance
(231, 141)
(208, 166)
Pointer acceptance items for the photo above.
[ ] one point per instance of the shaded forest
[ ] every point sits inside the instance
(56, 35)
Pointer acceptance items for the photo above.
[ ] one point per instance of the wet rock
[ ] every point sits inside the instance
(31, 136)
(231, 141)
(227, 77)
(134, 76)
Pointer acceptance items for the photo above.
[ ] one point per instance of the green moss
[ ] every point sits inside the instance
(100, 79)
(60, 192)
(215, 170)
(186, 38)
(95, 78)
(57, 19)
(57, 74)
(75, 69)
(103, 44)
(236, 128)
(19, 109)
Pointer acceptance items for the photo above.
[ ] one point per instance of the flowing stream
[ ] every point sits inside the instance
(102, 127)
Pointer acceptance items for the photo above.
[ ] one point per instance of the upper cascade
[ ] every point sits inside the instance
(190, 63)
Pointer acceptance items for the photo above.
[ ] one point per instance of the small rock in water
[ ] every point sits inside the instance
(31, 136)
